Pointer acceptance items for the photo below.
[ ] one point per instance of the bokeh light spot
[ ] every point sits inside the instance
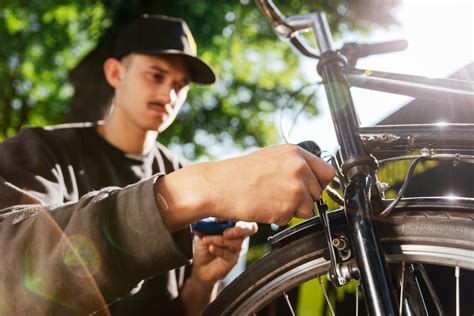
(81, 253)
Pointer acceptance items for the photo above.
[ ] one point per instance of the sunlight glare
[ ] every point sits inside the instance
(440, 35)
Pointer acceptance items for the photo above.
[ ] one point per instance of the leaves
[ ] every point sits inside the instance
(45, 41)
(41, 41)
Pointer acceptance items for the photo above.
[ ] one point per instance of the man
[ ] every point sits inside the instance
(154, 61)
(83, 255)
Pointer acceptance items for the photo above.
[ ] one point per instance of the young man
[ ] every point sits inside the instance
(83, 255)
(154, 62)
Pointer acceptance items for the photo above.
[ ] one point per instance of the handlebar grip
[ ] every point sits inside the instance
(381, 48)
(354, 51)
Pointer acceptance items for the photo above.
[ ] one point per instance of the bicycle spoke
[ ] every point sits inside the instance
(357, 298)
(431, 290)
(457, 274)
(289, 304)
(402, 288)
(412, 270)
(326, 295)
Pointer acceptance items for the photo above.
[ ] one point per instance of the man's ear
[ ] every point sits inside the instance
(113, 72)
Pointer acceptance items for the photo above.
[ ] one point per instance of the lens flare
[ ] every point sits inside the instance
(81, 253)
(34, 283)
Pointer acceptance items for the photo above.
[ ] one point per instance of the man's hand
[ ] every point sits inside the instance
(270, 185)
(214, 257)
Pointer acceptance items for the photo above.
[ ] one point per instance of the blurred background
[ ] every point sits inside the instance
(52, 53)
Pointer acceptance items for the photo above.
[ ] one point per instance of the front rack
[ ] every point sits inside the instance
(389, 140)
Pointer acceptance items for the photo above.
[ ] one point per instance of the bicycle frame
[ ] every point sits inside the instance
(360, 172)
(362, 197)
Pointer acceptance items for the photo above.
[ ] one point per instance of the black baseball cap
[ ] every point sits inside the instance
(162, 35)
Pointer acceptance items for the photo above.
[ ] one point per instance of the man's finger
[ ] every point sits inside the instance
(312, 185)
(224, 253)
(235, 244)
(241, 230)
(323, 171)
(306, 207)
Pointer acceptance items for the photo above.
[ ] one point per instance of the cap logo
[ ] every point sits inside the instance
(192, 45)
(191, 41)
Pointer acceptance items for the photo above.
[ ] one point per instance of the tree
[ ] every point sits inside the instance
(41, 40)
(257, 72)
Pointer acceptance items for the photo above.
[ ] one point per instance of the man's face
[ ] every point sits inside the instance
(151, 90)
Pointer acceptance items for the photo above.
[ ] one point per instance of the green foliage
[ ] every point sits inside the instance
(44, 40)
(395, 172)
(41, 40)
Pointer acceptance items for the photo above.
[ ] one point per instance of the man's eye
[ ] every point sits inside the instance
(158, 77)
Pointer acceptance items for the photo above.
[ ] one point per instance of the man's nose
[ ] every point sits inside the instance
(168, 95)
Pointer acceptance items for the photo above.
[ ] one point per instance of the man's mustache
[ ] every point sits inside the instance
(156, 103)
(168, 107)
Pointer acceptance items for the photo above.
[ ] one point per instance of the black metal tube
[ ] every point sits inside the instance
(342, 110)
(415, 89)
(467, 86)
(454, 130)
(368, 252)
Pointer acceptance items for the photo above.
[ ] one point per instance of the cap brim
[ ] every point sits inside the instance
(200, 72)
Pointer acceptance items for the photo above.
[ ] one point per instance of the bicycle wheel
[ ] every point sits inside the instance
(427, 231)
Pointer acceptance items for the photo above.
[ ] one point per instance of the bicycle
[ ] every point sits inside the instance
(368, 232)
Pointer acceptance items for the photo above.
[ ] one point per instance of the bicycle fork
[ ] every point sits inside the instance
(370, 266)
(367, 250)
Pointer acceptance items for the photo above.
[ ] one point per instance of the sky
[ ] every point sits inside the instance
(440, 34)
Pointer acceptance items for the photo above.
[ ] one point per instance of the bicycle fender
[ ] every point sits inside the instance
(304, 228)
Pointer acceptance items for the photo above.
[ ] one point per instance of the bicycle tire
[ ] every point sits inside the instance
(422, 231)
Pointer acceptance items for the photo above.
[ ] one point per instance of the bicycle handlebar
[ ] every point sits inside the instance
(275, 16)
(354, 51)
(364, 50)
(289, 27)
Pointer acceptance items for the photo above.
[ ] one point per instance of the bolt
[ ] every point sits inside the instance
(425, 152)
(383, 186)
(339, 243)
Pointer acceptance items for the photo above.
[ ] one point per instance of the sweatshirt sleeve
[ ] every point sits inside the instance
(76, 258)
